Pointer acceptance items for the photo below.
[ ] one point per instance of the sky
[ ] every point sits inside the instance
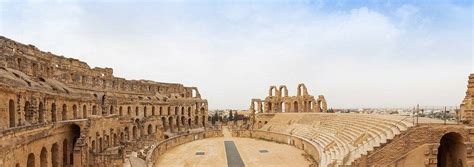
(375, 53)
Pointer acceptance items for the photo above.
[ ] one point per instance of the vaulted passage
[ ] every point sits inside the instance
(452, 151)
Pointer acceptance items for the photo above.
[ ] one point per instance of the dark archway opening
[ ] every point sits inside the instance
(452, 151)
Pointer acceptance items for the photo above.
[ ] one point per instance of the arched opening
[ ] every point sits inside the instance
(55, 155)
(84, 111)
(127, 133)
(170, 122)
(283, 107)
(204, 121)
(189, 122)
(11, 113)
(161, 110)
(64, 112)
(134, 132)
(183, 120)
(203, 110)
(65, 152)
(196, 120)
(114, 139)
(136, 111)
(129, 110)
(111, 110)
(74, 111)
(144, 112)
(44, 158)
(163, 121)
(176, 110)
(94, 110)
(189, 112)
(169, 110)
(295, 106)
(41, 113)
(149, 130)
(120, 111)
(53, 112)
(452, 151)
(152, 110)
(269, 107)
(31, 160)
(93, 146)
(182, 110)
(28, 112)
(178, 124)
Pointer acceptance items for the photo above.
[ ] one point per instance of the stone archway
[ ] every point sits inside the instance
(44, 158)
(11, 112)
(31, 160)
(55, 155)
(452, 151)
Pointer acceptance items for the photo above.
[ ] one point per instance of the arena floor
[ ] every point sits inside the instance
(217, 152)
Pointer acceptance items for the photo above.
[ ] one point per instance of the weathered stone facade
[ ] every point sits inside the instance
(467, 105)
(57, 111)
(278, 101)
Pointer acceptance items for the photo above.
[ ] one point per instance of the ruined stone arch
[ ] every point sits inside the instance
(302, 91)
(149, 129)
(41, 112)
(11, 113)
(74, 111)
(135, 132)
(170, 122)
(53, 112)
(30, 162)
(55, 155)
(27, 111)
(282, 89)
(295, 106)
(84, 111)
(64, 112)
(145, 114)
(204, 121)
(271, 90)
(44, 158)
(111, 111)
(452, 150)
(189, 112)
(163, 121)
(203, 110)
(136, 111)
(65, 152)
(94, 110)
(196, 120)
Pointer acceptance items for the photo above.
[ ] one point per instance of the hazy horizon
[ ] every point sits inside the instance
(357, 54)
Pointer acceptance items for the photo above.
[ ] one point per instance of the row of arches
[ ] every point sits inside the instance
(282, 91)
(40, 113)
(57, 154)
(172, 124)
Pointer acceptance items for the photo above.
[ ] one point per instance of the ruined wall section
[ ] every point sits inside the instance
(75, 73)
(104, 117)
(467, 105)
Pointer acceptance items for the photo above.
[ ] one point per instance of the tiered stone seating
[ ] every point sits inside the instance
(340, 138)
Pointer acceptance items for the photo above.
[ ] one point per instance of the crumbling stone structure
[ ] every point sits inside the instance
(278, 101)
(57, 111)
(467, 105)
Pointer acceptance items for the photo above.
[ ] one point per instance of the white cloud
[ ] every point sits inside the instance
(234, 51)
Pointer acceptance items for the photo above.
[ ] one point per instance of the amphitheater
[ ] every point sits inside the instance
(58, 111)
